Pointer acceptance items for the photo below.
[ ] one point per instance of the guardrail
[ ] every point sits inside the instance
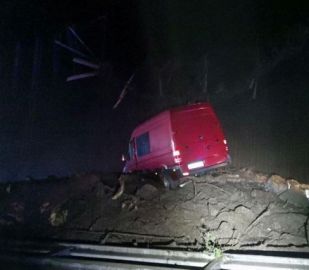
(22, 255)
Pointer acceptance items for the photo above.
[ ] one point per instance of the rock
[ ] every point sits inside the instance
(276, 184)
(229, 220)
(101, 190)
(293, 184)
(17, 211)
(236, 196)
(7, 220)
(296, 198)
(58, 217)
(282, 225)
(304, 187)
(213, 200)
(225, 232)
(261, 178)
(44, 207)
(213, 211)
(147, 192)
(259, 194)
(129, 205)
(298, 187)
(233, 178)
(247, 173)
(250, 175)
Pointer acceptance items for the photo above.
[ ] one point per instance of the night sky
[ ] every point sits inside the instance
(52, 127)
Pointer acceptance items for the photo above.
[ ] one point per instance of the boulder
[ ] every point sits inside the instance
(147, 192)
(276, 184)
(58, 217)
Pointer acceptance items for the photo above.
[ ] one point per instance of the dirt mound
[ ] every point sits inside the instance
(238, 209)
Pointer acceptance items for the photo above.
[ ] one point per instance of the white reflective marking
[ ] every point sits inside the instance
(195, 165)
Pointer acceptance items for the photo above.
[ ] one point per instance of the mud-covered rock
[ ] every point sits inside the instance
(58, 217)
(296, 198)
(276, 184)
(147, 192)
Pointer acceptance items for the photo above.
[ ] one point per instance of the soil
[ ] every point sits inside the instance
(228, 209)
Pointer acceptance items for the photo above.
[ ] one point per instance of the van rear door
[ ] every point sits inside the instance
(198, 136)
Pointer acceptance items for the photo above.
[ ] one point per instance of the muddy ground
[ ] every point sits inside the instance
(229, 209)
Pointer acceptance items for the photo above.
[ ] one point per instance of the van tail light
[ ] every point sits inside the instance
(225, 143)
(176, 155)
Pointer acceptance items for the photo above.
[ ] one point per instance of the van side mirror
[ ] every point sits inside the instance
(123, 157)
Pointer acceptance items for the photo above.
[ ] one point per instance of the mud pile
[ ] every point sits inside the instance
(234, 209)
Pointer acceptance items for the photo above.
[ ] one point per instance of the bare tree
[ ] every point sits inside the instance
(293, 44)
(88, 59)
(124, 91)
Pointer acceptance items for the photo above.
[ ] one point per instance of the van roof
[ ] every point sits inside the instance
(200, 105)
(166, 114)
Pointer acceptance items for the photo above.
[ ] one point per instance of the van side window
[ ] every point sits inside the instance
(131, 150)
(143, 144)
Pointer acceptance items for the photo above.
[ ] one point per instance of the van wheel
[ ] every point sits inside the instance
(169, 179)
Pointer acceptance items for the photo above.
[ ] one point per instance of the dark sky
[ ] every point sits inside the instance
(136, 28)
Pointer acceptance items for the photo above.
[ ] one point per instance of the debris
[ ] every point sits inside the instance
(257, 219)
(128, 184)
(247, 172)
(124, 91)
(130, 204)
(147, 192)
(214, 186)
(233, 175)
(44, 207)
(276, 184)
(120, 190)
(294, 197)
(183, 184)
(7, 220)
(17, 211)
(261, 178)
(238, 215)
(58, 217)
(252, 175)
(138, 235)
(17, 206)
(255, 193)
(293, 184)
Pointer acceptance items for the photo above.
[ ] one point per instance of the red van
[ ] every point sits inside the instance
(182, 141)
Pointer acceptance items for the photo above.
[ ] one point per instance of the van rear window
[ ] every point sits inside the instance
(143, 144)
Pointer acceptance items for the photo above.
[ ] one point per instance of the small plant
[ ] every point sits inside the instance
(211, 245)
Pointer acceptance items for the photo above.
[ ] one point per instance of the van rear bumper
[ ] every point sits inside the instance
(203, 170)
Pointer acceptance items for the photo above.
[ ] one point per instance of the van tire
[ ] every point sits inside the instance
(168, 181)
